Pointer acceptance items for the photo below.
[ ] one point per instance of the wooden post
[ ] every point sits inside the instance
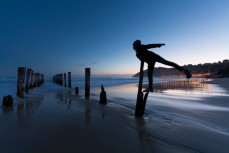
(87, 82)
(103, 96)
(42, 78)
(39, 79)
(141, 99)
(61, 79)
(76, 90)
(69, 80)
(21, 81)
(56, 78)
(28, 79)
(35, 80)
(31, 85)
(65, 79)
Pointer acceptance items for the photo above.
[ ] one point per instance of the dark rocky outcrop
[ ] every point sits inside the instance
(8, 101)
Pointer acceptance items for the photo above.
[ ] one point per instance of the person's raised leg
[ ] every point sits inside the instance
(163, 61)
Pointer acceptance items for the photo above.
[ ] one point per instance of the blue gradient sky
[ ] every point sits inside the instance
(53, 36)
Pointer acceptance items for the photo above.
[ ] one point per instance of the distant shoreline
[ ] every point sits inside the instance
(216, 69)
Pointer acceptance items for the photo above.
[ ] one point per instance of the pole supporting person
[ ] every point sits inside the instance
(143, 54)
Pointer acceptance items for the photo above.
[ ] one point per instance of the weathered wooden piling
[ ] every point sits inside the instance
(28, 79)
(61, 79)
(32, 80)
(42, 78)
(31, 85)
(65, 79)
(36, 79)
(103, 96)
(39, 79)
(21, 81)
(87, 82)
(56, 79)
(141, 99)
(69, 80)
(76, 90)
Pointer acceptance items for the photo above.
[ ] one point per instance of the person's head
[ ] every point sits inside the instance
(136, 44)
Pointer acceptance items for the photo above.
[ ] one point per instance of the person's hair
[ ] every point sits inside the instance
(137, 43)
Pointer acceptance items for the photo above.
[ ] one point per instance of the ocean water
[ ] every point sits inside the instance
(8, 85)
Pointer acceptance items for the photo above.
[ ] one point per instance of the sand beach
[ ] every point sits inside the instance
(180, 117)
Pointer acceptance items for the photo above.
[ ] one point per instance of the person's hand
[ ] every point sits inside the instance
(162, 44)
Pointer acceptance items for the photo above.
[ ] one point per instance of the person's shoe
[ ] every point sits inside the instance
(187, 73)
(148, 90)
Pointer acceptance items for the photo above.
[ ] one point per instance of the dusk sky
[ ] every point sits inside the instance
(54, 36)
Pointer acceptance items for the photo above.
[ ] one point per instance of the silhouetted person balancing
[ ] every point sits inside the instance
(143, 54)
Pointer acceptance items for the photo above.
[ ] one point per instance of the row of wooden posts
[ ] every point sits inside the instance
(28, 79)
(36, 79)
(61, 80)
(141, 98)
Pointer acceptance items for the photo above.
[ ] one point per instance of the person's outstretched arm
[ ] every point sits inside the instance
(153, 46)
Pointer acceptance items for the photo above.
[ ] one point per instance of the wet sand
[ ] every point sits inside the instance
(222, 82)
(52, 119)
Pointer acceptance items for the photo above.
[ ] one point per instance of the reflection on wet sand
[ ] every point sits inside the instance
(27, 108)
(31, 104)
(6, 109)
(103, 112)
(87, 115)
(65, 98)
(186, 85)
